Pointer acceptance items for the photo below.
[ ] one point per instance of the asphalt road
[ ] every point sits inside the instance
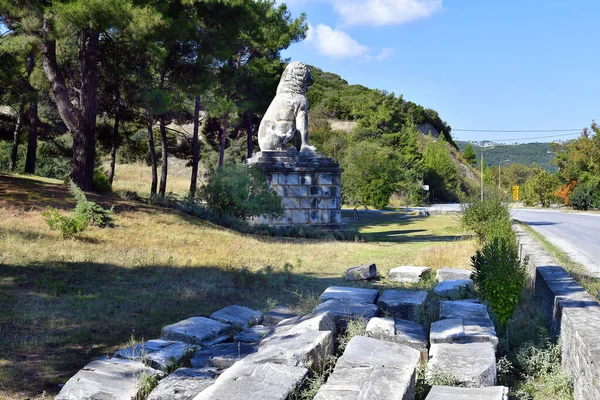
(577, 234)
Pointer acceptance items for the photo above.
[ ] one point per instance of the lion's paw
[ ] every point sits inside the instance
(308, 149)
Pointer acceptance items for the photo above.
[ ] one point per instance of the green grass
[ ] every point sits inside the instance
(67, 302)
(576, 270)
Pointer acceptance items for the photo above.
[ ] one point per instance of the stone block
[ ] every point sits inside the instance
(289, 178)
(463, 330)
(307, 349)
(297, 191)
(454, 289)
(462, 309)
(361, 273)
(328, 191)
(303, 323)
(404, 304)
(314, 216)
(326, 204)
(324, 216)
(399, 331)
(198, 330)
(222, 355)
(290, 203)
(335, 217)
(184, 384)
(254, 334)
(115, 379)
(306, 203)
(409, 274)
(308, 179)
(452, 274)
(344, 310)
(459, 393)
(249, 381)
(470, 365)
(314, 191)
(372, 369)
(240, 316)
(170, 356)
(277, 315)
(336, 179)
(325, 178)
(350, 294)
(137, 351)
(300, 216)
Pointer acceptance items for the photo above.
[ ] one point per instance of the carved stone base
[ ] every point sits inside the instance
(309, 184)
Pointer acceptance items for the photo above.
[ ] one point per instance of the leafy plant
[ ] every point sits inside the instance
(500, 277)
(540, 189)
(91, 212)
(67, 225)
(488, 218)
(240, 191)
(100, 182)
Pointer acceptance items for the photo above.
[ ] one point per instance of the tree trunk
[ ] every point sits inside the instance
(163, 170)
(81, 122)
(223, 136)
(15, 145)
(32, 137)
(152, 153)
(115, 139)
(250, 127)
(195, 150)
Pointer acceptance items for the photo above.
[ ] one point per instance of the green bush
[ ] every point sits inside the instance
(100, 182)
(488, 218)
(585, 197)
(53, 160)
(500, 276)
(67, 225)
(540, 189)
(91, 212)
(240, 191)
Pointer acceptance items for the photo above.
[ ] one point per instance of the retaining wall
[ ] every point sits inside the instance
(572, 313)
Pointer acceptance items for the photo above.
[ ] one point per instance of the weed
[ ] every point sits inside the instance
(67, 225)
(146, 383)
(355, 327)
(307, 302)
(427, 379)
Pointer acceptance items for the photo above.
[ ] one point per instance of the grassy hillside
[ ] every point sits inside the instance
(66, 302)
(526, 153)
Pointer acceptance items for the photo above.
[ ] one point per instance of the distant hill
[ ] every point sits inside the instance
(526, 153)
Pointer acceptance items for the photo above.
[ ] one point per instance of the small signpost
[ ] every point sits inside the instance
(515, 194)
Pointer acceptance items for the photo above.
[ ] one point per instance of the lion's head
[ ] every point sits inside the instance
(295, 79)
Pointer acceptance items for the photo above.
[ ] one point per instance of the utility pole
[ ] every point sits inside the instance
(481, 173)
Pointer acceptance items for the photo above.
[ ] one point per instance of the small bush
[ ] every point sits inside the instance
(488, 218)
(355, 327)
(585, 197)
(91, 212)
(67, 225)
(100, 182)
(240, 191)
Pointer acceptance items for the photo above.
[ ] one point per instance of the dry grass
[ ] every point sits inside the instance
(66, 302)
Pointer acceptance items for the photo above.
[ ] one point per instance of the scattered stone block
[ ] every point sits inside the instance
(454, 289)
(409, 274)
(222, 355)
(240, 316)
(399, 331)
(471, 365)
(463, 330)
(305, 349)
(184, 384)
(361, 272)
(277, 315)
(346, 310)
(115, 379)
(312, 322)
(452, 274)
(462, 309)
(372, 369)
(138, 350)
(404, 304)
(198, 330)
(459, 393)
(249, 381)
(168, 357)
(254, 334)
(349, 294)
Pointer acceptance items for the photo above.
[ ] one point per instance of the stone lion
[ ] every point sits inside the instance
(287, 113)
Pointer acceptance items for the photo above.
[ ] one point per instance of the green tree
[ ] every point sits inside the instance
(541, 188)
(469, 154)
(441, 173)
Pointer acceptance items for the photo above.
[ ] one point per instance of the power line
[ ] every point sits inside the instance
(517, 130)
(527, 138)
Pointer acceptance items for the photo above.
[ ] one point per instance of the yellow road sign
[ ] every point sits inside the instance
(515, 193)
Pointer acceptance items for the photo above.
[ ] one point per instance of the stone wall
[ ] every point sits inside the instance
(310, 187)
(572, 314)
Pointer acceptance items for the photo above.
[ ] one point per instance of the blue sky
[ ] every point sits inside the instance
(483, 64)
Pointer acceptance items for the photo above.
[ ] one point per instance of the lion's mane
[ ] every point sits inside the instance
(295, 79)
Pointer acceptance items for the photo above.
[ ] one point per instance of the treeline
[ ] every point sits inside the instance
(540, 154)
(115, 73)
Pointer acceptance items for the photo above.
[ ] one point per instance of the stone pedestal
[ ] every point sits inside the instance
(309, 184)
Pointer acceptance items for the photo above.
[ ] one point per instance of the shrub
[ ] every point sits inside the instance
(488, 218)
(91, 212)
(67, 225)
(240, 191)
(541, 189)
(500, 277)
(100, 182)
(585, 196)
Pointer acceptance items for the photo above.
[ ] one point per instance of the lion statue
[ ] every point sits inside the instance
(288, 112)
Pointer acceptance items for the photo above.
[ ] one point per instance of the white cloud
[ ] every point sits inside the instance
(384, 12)
(334, 43)
(384, 53)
